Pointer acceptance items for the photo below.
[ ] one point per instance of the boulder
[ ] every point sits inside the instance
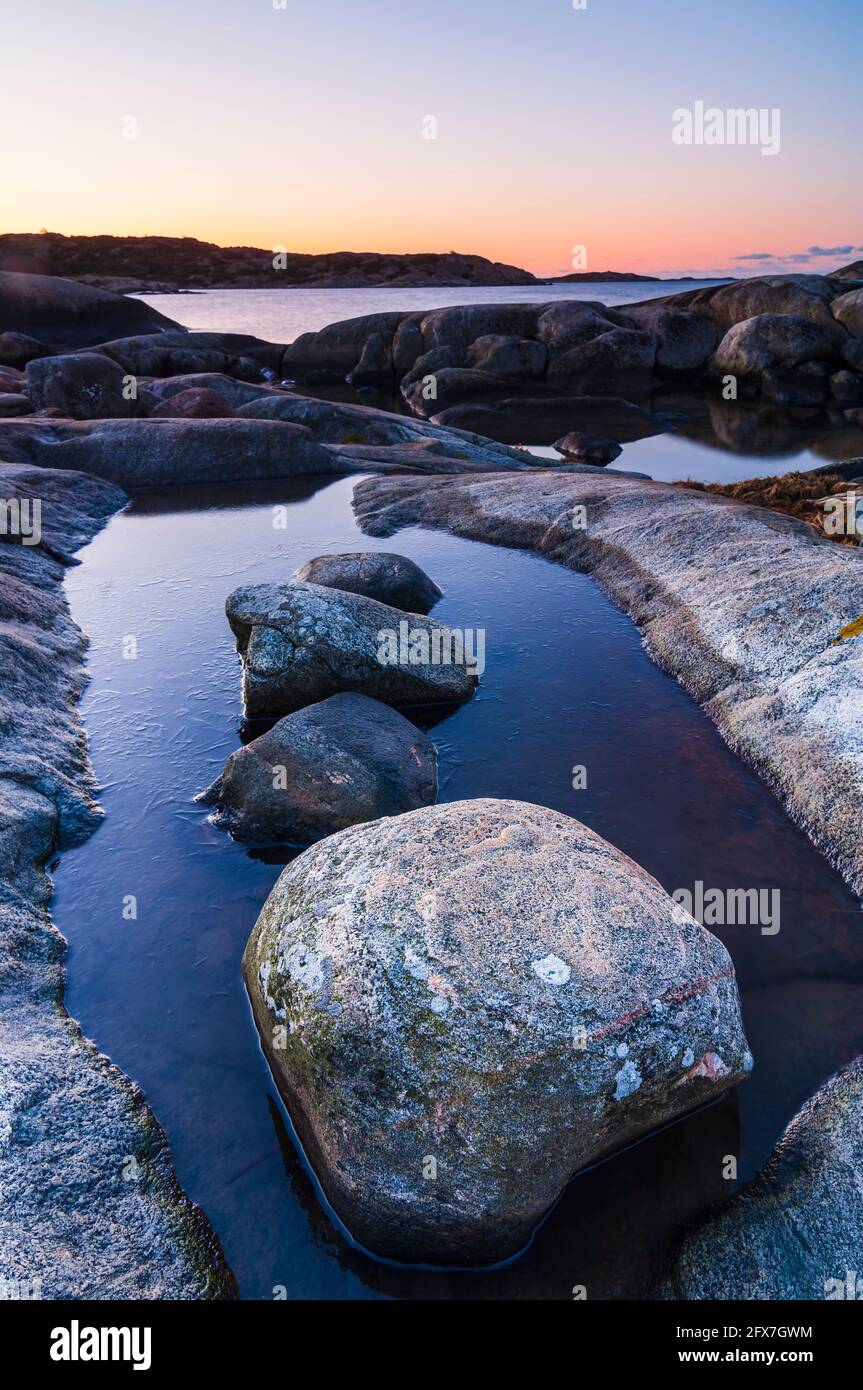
(12, 403)
(449, 386)
(621, 358)
(846, 387)
(462, 324)
(236, 393)
(770, 340)
(11, 379)
(465, 1005)
(796, 1231)
(378, 574)
(337, 349)
(198, 403)
(375, 366)
(684, 342)
(573, 322)
(588, 448)
(503, 356)
(852, 353)
(176, 354)
(804, 385)
(408, 342)
(804, 296)
(346, 760)
(848, 310)
(303, 642)
(17, 349)
(65, 314)
(81, 386)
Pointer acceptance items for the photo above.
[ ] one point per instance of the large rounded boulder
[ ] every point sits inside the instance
(82, 386)
(773, 340)
(465, 1005)
(379, 574)
(66, 314)
(303, 642)
(345, 760)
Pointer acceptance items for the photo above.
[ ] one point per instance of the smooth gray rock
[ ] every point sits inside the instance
(572, 323)
(462, 324)
(796, 1232)
(239, 393)
(848, 310)
(378, 574)
(17, 349)
(744, 606)
(12, 404)
(465, 1005)
(588, 448)
(182, 353)
(376, 362)
(81, 386)
(343, 761)
(803, 296)
(65, 314)
(73, 1216)
(508, 357)
(302, 642)
(771, 340)
(338, 347)
(622, 358)
(149, 453)
(198, 403)
(684, 341)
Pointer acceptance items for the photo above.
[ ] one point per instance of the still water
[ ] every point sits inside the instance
(567, 682)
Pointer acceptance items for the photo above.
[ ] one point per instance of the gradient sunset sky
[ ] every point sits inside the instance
(303, 126)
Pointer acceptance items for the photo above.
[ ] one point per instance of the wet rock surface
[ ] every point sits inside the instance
(91, 1208)
(465, 1005)
(302, 642)
(378, 574)
(343, 761)
(796, 1232)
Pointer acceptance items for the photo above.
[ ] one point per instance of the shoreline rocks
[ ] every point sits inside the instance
(744, 606)
(52, 314)
(302, 642)
(796, 1231)
(70, 1218)
(343, 761)
(464, 1005)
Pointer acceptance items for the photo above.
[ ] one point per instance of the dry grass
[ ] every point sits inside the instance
(798, 494)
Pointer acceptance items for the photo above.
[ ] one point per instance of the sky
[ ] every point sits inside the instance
(528, 131)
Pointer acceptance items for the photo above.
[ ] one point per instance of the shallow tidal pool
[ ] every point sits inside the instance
(567, 683)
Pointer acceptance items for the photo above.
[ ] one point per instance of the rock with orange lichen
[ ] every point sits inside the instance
(465, 1005)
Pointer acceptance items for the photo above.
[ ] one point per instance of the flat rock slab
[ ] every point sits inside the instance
(465, 1005)
(744, 606)
(302, 642)
(346, 760)
(379, 574)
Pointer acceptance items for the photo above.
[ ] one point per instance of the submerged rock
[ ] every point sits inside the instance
(346, 760)
(465, 1005)
(796, 1232)
(302, 642)
(378, 574)
(588, 448)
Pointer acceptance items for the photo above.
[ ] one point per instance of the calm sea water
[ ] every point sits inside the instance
(567, 682)
(280, 316)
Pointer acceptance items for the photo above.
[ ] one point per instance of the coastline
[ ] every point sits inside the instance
(118, 1226)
